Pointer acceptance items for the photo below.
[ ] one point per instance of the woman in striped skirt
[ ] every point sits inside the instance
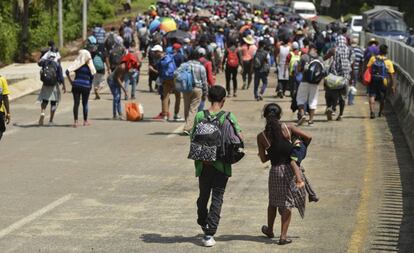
(274, 145)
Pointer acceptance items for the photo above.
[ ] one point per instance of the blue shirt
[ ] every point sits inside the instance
(99, 34)
(83, 77)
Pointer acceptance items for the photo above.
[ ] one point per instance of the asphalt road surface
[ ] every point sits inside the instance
(118, 186)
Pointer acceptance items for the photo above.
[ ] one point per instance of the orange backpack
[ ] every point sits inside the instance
(134, 111)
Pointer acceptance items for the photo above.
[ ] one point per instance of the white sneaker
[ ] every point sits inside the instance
(208, 241)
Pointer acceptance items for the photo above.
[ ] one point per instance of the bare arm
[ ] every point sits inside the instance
(306, 138)
(7, 106)
(262, 149)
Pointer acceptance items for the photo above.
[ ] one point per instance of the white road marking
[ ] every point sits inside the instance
(34, 216)
(178, 130)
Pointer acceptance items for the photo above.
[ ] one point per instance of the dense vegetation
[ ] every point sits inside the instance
(21, 36)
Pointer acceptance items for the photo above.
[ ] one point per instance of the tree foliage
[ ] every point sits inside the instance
(43, 23)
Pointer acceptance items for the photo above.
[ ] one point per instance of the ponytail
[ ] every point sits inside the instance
(272, 112)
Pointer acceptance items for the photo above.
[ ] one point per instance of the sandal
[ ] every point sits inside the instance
(284, 241)
(265, 230)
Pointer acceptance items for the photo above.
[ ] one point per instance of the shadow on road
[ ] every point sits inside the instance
(395, 232)
(157, 238)
(196, 240)
(37, 125)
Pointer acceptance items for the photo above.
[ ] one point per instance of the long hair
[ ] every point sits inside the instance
(272, 113)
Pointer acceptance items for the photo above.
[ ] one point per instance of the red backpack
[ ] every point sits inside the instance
(232, 58)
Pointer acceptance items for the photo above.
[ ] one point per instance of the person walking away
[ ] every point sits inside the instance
(133, 65)
(193, 99)
(342, 67)
(274, 145)
(248, 50)
(356, 70)
(382, 71)
(211, 78)
(115, 82)
(292, 61)
(283, 69)
(179, 57)
(212, 176)
(51, 76)
(231, 61)
(84, 70)
(97, 52)
(100, 34)
(5, 114)
(261, 68)
(143, 37)
(312, 68)
(51, 53)
(410, 40)
(167, 66)
(128, 35)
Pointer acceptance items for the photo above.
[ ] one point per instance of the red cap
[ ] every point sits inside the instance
(176, 45)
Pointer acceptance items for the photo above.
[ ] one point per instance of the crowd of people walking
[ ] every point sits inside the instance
(187, 46)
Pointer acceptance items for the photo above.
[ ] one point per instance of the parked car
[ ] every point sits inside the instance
(306, 10)
(355, 26)
(386, 21)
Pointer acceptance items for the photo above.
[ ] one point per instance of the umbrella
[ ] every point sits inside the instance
(168, 24)
(178, 34)
(155, 24)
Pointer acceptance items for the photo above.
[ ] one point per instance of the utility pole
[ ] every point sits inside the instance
(85, 19)
(60, 14)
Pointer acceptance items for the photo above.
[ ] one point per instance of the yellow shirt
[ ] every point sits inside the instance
(387, 62)
(4, 90)
(388, 65)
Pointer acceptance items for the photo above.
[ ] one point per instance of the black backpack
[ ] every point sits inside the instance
(207, 139)
(314, 72)
(110, 42)
(115, 55)
(48, 73)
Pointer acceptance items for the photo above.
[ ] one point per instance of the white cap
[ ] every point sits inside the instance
(295, 45)
(157, 48)
(187, 40)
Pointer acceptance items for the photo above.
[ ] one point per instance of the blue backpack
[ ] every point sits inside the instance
(183, 78)
(379, 71)
(168, 67)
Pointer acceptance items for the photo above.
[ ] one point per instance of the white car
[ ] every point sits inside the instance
(355, 26)
(305, 10)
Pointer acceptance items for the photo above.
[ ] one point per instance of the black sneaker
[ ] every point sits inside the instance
(372, 115)
(379, 114)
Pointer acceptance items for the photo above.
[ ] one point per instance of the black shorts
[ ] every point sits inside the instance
(2, 123)
(377, 90)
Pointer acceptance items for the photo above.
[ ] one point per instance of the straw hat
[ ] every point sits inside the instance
(248, 39)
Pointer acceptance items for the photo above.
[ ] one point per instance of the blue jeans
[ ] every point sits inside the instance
(257, 77)
(131, 78)
(116, 102)
(201, 106)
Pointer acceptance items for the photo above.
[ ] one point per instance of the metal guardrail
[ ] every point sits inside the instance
(403, 101)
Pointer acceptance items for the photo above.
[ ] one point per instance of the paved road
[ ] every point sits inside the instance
(127, 187)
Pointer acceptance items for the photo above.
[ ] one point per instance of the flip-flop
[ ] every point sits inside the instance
(265, 231)
(284, 241)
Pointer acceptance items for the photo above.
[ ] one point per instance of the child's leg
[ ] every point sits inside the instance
(309, 189)
(298, 174)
